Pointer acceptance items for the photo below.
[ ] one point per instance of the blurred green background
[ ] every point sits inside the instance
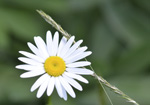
(116, 31)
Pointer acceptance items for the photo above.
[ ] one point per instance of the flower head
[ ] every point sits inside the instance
(59, 65)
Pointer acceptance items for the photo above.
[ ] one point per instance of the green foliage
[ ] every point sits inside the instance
(116, 31)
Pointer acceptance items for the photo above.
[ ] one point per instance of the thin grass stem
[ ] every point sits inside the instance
(99, 78)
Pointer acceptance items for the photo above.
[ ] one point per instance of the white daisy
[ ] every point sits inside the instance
(57, 63)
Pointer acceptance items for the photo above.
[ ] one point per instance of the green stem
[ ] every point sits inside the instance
(101, 95)
(49, 101)
(99, 78)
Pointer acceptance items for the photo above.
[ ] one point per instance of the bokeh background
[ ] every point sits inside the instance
(116, 31)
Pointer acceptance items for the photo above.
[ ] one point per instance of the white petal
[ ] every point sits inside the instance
(61, 89)
(79, 57)
(74, 83)
(34, 49)
(58, 87)
(41, 46)
(49, 43)
(75, 76)
(81, 71)
(67, 87)
(50, 86)
(73, 48)
(32, 56)
(64, 93)
(30, 61)
(79, 50)
(79, 64)
(32, 73)
(39, 82)
(29, 67)
(55, 43)
(76, 52)
(61, 45)
(67, 46)
(42, 88)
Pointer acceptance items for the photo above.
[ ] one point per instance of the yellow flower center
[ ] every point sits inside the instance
(54, 66)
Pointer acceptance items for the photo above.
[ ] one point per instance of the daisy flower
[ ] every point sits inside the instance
(59, 65)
